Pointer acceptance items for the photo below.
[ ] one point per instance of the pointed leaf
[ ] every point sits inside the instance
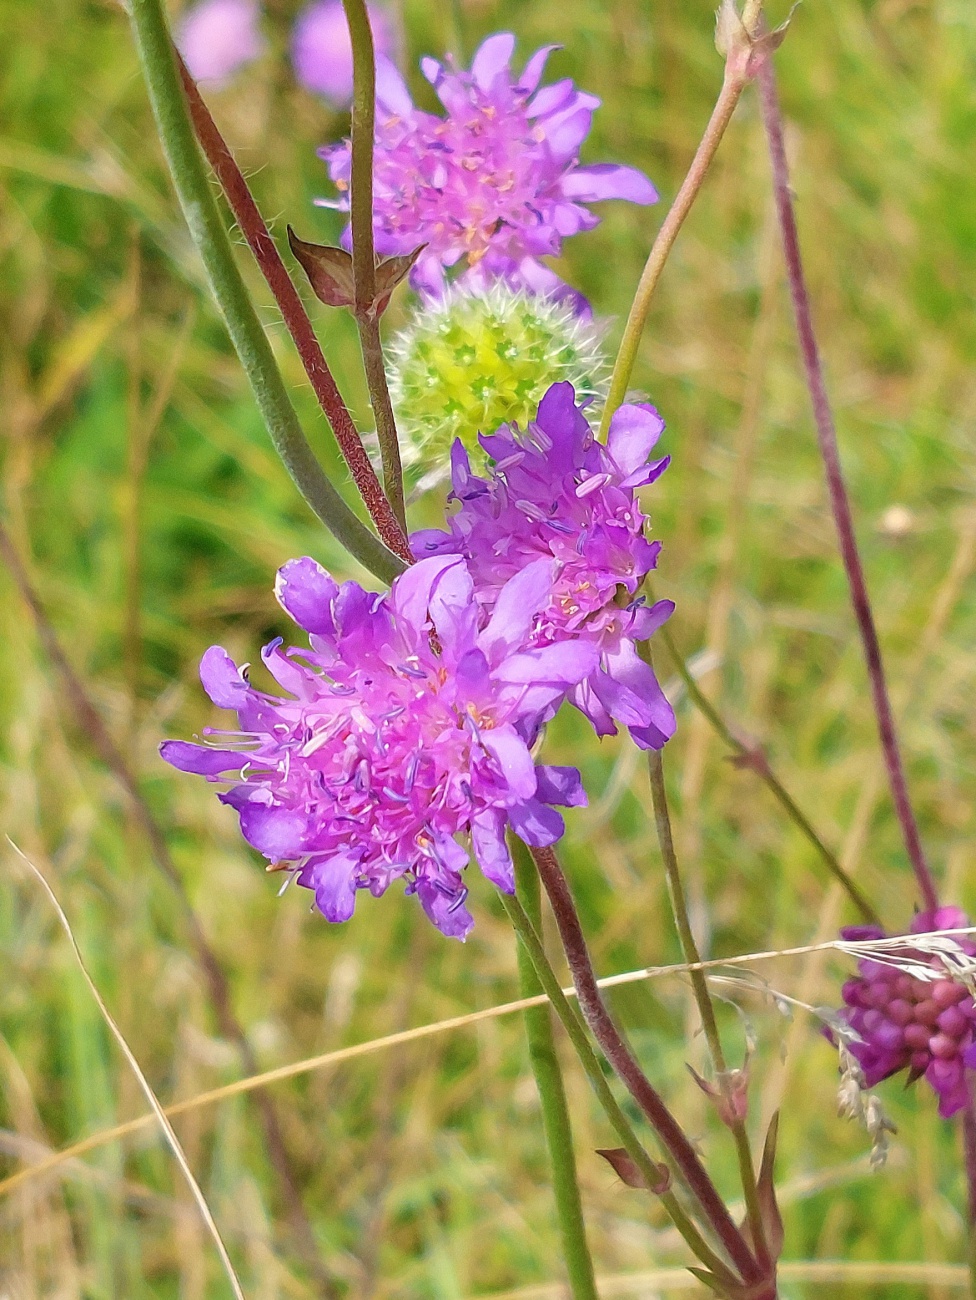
(771, 1217)
(625, 1167)
(729, 27)
(329, 271)
(710, 1280)
(390, 273)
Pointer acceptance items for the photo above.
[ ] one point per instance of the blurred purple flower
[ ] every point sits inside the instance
(925, 1026)
(406, 726)
(219, 36)
(496, 184)
(554, 491)
(322, 53)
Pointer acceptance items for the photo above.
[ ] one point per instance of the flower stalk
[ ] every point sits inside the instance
(839, 499)
(296, 318)
(969, 1153)
(703, 1000)
(363, 252)
(735, 79)
(250, 341)
(655, 1178)
(552, 1095)
(626, 1067)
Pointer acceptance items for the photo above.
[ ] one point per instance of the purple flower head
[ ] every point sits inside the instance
(219, 36)
(925, 1026)
(554, 492)
(404, 726)
(494, 185)
(321, 51)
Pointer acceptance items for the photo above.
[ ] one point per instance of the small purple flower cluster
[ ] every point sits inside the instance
(925, 1026)
(493, 186)
(409, 724)
(555, 491)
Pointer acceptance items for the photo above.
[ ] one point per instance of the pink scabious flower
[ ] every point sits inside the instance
(217, 37)
(405, 727)
(321, 52)
(494, 185)
(554, 491)
(925, 1026)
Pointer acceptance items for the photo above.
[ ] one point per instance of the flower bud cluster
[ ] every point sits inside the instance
(926, 1026)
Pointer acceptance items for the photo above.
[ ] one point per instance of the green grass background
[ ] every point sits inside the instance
(140, 483)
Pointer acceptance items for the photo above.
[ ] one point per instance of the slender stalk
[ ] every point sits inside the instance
(249, 339)
(839, 500)
(386, 431)
(626, 1067)
(552, 1096)
(295, 317)
(733, 84)
(689, 948)
(758, 763)
(969, 1149)
(89, 721)
(363, 252)
(576, 1032)
(703, 999)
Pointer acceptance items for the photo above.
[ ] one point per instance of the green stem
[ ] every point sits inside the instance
(733, 84)
(552, 1095)
(250, 341)
(386, 431)
(363, 251)
(699, 983)
(576, 1032)
(759, 764)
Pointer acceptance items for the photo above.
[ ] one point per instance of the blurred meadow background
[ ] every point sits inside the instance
(142, 493)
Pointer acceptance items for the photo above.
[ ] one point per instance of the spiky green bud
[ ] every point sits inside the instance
(472, 362)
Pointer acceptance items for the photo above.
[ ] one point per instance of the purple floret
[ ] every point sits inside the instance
(405, 726)
(554, 491)
(926, 1027)
(493, 186)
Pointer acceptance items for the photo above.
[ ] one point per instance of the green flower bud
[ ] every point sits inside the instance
(471, 362)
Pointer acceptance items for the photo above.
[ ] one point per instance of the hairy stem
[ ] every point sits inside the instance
(552, 1096)
(703, 999)
(296, 318)
(626, 1067)
(250, 341)
(89, 721)
(577, 1035)
(839, 500)
(363, 252)
(758, 763)
(733, 83)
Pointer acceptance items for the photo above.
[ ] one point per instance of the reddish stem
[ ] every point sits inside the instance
(626, 1067)
(839, 500)
(969, 1150)
(296, 318)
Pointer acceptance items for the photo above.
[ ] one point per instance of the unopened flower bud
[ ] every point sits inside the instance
(474, 361)
(905, 1021)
